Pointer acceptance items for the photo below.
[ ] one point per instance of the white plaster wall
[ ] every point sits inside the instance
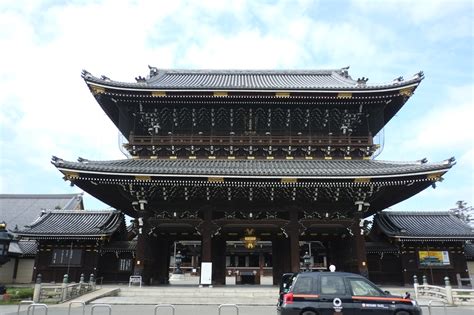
(25, 270)
(6, 272)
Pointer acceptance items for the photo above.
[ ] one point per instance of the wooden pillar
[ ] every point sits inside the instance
(360, 250)
(218, 261)
(294, 235)
(143, 253)
(162, 249)
(206, 234)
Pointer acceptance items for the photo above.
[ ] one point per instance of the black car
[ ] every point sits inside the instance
(321, 293)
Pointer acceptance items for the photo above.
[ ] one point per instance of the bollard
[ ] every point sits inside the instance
(228, 305)
(449, 291)
(173, 309)
(415, 286)
(37, 290)
(425, 280)
(77, 302)
(34, 306)
(23, 303)
(101, 306)
(64, 288)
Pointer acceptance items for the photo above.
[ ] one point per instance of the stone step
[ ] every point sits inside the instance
(198, 293)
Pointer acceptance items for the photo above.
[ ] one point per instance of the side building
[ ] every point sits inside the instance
(434, 244)
(19, 210)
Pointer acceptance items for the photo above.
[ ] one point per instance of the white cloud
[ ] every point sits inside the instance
(47, 109)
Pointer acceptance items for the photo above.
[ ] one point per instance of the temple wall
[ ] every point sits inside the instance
(25, 270)
(6, 272)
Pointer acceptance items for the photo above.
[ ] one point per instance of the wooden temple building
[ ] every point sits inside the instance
(275, 162)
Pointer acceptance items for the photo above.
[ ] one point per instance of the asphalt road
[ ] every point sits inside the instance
(190, 310)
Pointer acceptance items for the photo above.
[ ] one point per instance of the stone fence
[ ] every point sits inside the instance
(446, 294)
(58, 293)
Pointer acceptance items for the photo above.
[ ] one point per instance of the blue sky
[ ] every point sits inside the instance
(46, 109)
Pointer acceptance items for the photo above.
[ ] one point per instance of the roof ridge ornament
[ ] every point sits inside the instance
(419, 75)
(345, 72)
(362, 81)
(153, 71)
(85, 74)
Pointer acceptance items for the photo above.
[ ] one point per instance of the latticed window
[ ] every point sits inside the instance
(125, 264)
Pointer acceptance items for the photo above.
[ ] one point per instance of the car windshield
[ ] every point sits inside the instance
(360, 287)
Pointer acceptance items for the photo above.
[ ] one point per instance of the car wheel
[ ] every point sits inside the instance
(402, 313)
(308, 313)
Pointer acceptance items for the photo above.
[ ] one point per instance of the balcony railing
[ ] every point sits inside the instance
(258, 140)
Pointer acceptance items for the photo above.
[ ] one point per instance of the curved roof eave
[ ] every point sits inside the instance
(354, 88)
(79, 167)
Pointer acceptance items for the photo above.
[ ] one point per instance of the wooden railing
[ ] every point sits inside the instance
(250, 140)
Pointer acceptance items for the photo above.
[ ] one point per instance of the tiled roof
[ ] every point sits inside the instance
(23, 248)
(250, 80)
(120, 246)
(73, 224)
(253, 168)
(18, 210)
(426, 225)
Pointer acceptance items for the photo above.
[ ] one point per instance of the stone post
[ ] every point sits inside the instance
(92, 282)
(449, 291)
(425, 280)
(37, 290)
(81, 283)
(415, 286)
(64, 288)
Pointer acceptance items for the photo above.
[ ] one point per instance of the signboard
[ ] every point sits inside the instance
(433, 258)
(206, 273)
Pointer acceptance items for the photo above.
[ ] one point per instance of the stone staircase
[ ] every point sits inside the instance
(182, 295)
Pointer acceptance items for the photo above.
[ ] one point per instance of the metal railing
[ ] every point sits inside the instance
(234, 306)
(168, 306)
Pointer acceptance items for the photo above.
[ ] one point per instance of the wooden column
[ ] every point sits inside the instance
(206, 237)
(294, 235)
(143, 255)
(218, 261)
(360, 251)
(281, 262)
(161, 266)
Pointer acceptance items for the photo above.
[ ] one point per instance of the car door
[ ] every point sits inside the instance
(285, 284)
(368, 299)
(334, 297)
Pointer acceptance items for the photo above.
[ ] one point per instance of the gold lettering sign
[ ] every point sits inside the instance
(344, 95)
(289, 180)
(158, 93)
(143, 178)
(362, 180)
(215, 179)
(282, 94)
(220, 93)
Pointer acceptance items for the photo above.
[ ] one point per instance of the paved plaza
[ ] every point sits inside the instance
(252, 300)
(191, 309)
